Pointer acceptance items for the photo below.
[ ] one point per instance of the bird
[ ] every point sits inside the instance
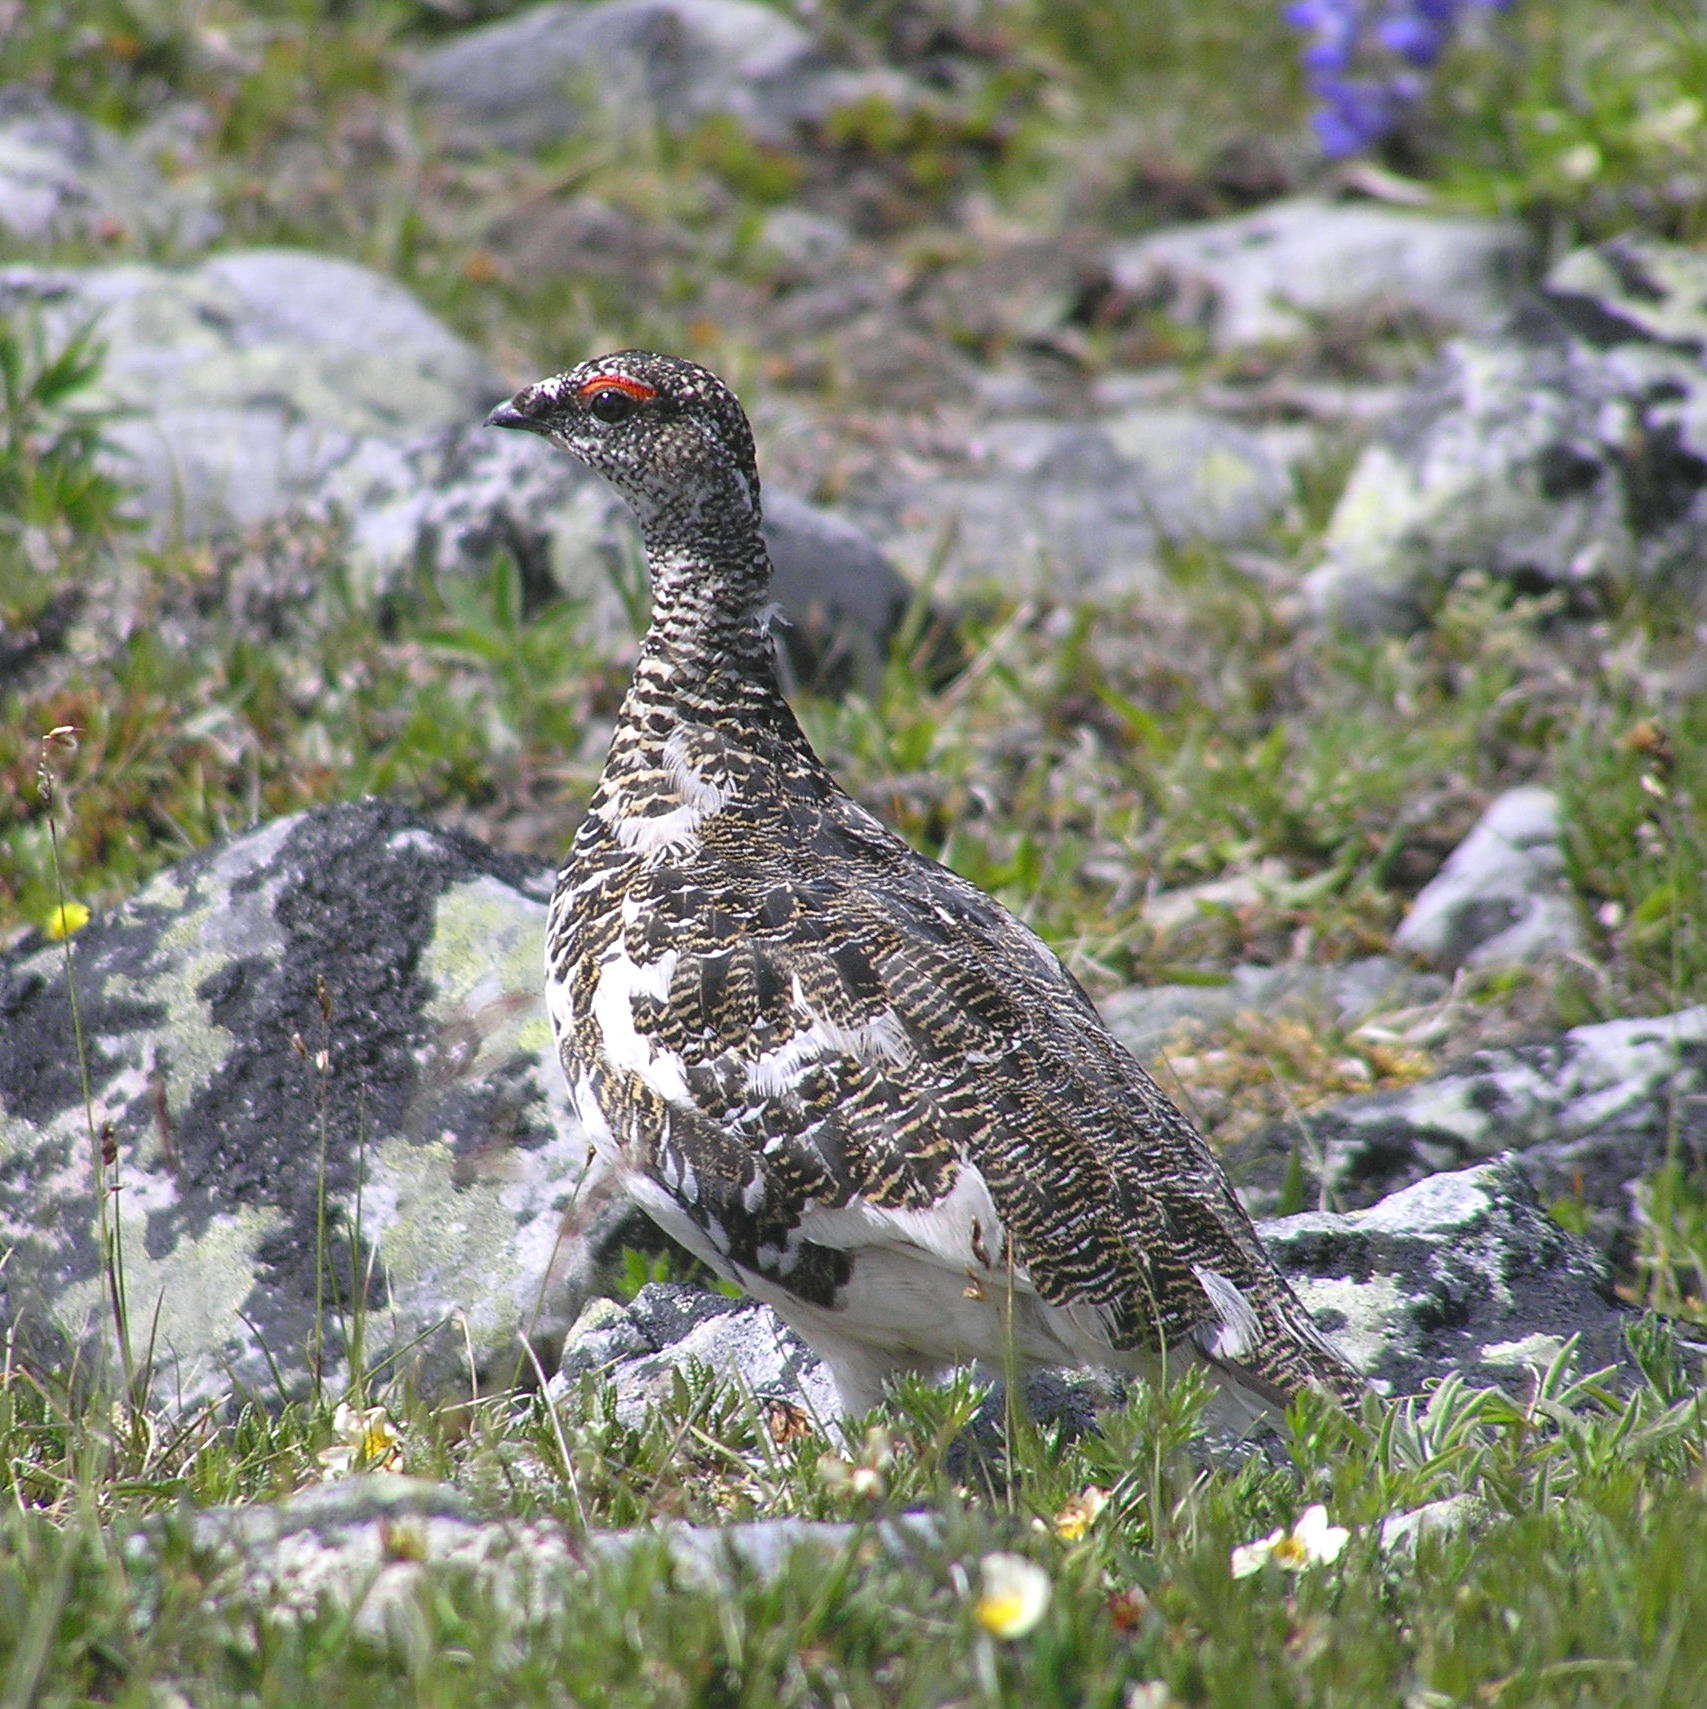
(838, 1073)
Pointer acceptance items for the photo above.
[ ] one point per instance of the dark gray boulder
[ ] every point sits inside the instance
(351, 984)
(1463, 1274)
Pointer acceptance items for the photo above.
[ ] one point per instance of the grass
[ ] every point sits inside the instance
(1085, 759)
(1576, 1584)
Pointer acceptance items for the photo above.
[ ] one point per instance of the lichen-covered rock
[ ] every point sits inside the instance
(1500, 899)
(64, 176)
(321, 1070)
(240, 381)
(1461, 1274)
(1277, 272)
(448, 501)
(1567, 450)
(538, 77)
(1584, 1117)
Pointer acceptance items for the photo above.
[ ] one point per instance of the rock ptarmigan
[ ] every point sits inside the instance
(841, 1075)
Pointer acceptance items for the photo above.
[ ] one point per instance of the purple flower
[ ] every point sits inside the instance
(1417, 39)
(1362, 60)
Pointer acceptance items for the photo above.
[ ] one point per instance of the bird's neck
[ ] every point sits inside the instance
(708, 653)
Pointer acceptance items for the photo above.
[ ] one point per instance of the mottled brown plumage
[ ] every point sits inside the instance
(842, 1075)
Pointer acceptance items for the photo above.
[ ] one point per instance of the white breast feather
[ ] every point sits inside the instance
(625, 1048)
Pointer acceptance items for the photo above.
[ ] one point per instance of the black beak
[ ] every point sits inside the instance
(516, 414)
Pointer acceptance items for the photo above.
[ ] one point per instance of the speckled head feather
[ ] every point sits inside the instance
(675, 442)
(840, 1074)
(667, 434)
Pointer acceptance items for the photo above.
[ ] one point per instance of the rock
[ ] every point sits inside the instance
(450, 1153)
(841, 597)
(643, 258)
(1147, 1017)
(1061, 508)
(1451, 1516)
(1566, 451)
(801, 242)
(1500, 898)
(63, 176)
(668, 1327)
(369, 1544)
(372, 1544)
(1463, 1274)
(1276, 273)
(240, 381)
(447, 502)
(1583, 1118)
(538, 77)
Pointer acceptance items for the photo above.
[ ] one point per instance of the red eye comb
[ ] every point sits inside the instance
(616, 382)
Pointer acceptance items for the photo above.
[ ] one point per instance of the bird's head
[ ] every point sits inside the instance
(666, 433)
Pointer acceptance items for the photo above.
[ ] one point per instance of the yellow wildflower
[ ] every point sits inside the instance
(64, 919)
(1080, 1513)
(367, 1442)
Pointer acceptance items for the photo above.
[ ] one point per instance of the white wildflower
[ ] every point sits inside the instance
(1014, 1596)
(1311, 1542)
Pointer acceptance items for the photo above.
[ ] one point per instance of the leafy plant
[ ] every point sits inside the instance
(60, 507)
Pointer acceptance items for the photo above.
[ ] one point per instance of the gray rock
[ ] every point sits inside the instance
(1146, 1017)
(1567, 451)
(372, 1544)
(841, 598)
(1451, 1516)
(447, 502)
(1583, 1117)
(1500, 898)
(450, 1152)
(540, 76)
(1273, 273)
(1044, 506)
(369, 1544)
(64, 176)
(802, 241)
(240, 381)
(669, 1327)
(1462, 1274)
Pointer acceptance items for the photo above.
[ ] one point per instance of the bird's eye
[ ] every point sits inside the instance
(610, 404)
